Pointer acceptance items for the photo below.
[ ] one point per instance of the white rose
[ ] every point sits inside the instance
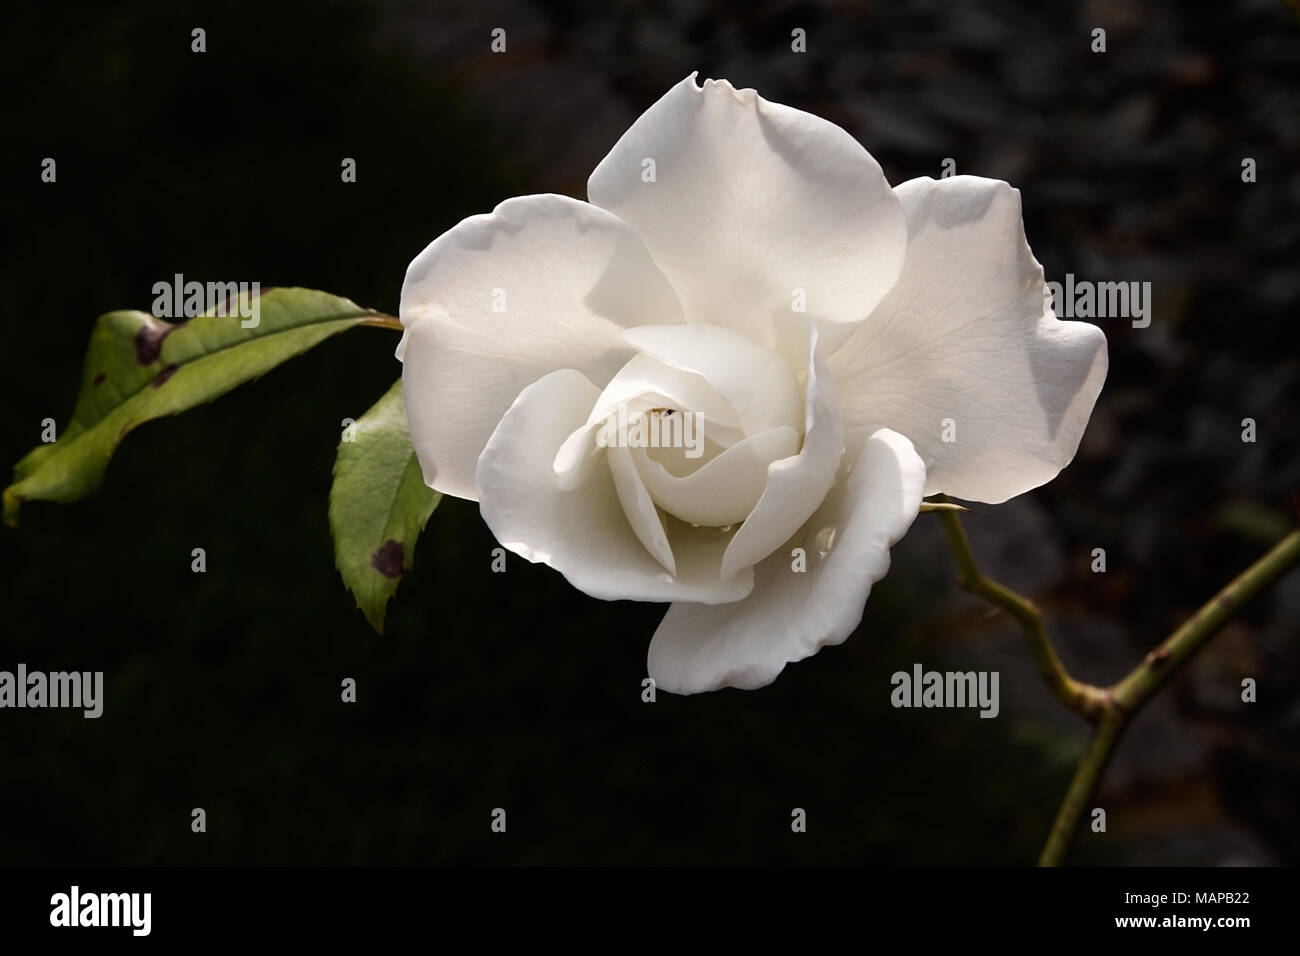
(744, 265)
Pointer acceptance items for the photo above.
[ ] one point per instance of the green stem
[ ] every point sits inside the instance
(381, 321)
(1084, 698)
(1084, 782)
(1128, 696)
(1130, 693)
(1111, 708)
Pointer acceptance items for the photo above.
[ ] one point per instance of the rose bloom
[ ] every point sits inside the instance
(843, 349)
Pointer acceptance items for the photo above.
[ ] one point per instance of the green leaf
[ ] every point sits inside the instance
(140, 368)
(379, 504)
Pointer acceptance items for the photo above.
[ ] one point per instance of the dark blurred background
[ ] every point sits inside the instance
(514, 690)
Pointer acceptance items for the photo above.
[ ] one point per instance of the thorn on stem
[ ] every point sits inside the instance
(1158, 656)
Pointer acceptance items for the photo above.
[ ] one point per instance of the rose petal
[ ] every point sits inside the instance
(967, 335)
(725, 490)
(643, 382)
(573, 277)
(639, 507)
(751, 201)
(790, 615)
(795, 486)
(583, 533)
(754, 380)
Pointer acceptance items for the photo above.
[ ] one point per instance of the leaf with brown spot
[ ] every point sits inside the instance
(133, 355)
(161, 378)
(389, 559)
(379, 504)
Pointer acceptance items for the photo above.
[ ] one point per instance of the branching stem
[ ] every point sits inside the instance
(1110, 708)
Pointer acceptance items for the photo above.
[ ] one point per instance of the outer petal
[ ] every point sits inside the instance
(751, 201)
(570, 278)
(791, 615)
(583, 533)
(967, 335)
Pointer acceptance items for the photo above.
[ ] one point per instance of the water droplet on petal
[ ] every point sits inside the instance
(825, 541)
